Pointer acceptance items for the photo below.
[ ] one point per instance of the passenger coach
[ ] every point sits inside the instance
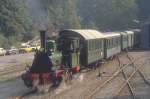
(130, 39)
(85, 47)
(112, 44)
(124, 41)
(136, 37)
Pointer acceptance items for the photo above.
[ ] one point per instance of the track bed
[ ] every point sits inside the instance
(88, 82)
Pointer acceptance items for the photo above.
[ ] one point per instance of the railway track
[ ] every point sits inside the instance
(99, 86)
(25, 94)
(127, 80)
(13, 69)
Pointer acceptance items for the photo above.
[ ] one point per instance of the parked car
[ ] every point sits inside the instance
(2, 52)
(25, 49)
(12, 50)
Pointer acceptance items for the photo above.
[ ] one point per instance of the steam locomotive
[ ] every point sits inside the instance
(77, 49)
(50, 66)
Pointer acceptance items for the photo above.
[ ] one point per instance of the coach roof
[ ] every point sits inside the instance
(111, 34)
(85, 33)
(129, 32)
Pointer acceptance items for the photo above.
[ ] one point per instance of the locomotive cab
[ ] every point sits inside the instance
(70, 52)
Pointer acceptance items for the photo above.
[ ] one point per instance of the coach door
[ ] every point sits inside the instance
(70, 52)
(75, 52)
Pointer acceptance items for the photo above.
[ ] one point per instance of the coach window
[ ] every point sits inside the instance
(107, 43)
(94, 42)
(116, 41)
(110, 42)
(99, 44)
(113, 44)
(119, 41)
(90, 45)
(95, 47)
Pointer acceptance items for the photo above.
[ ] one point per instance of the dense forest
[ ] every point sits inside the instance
(20, 20)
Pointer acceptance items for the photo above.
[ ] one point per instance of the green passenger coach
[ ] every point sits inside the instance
(112, 45)
(124, 41)
(85, 47)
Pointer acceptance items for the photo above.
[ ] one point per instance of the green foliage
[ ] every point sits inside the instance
(3, 41)
(14, 21)
(108, 14)
(144, 10)
(62, 14)
(6, 42)
(20, 19)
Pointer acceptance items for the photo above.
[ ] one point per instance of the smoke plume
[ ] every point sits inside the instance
(38, 13)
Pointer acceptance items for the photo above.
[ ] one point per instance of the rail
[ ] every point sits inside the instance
(100, 86)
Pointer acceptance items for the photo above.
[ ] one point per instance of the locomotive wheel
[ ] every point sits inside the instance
(56, 82)
(67, 76)
(26, 82)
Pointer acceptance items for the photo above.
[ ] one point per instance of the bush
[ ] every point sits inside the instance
(3, 41)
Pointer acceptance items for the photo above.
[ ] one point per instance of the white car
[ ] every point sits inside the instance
(12, 50)
(2, 52)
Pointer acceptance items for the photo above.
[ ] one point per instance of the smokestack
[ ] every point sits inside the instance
(42, 36)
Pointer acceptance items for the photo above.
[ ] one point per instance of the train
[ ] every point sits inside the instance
(74, 51)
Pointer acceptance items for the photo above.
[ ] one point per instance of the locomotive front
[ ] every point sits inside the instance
(50, 65)
(42, 71)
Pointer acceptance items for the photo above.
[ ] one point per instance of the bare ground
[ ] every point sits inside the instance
(80, 88)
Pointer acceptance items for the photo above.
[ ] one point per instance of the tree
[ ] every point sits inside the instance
(14, 20)
(63, 14)
(144, 10)
(108, 14)
(59, 14)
